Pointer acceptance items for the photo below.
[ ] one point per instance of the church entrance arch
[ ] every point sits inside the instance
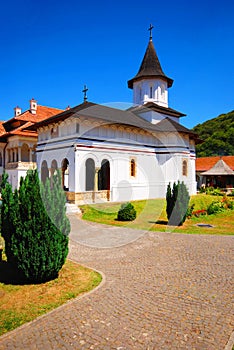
(104, 176)
(44, 171)
(89, 174)
(65, 174)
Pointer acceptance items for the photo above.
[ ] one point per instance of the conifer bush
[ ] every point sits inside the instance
(126, 212)
(177, 199)
(36, 241)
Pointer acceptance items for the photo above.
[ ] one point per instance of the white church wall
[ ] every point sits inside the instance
(154, 168)
(50, 153)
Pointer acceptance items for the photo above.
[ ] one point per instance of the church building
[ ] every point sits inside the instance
(108, 154)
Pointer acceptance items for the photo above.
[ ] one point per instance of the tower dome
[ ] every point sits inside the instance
(150, 84)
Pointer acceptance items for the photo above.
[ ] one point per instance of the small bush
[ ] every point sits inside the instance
(227, 203)
(126, 212)
(190, 211)
(214, 208)
(217, 192)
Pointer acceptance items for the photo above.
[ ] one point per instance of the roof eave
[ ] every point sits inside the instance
(140, 77)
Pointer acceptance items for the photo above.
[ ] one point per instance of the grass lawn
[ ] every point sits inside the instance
(23, 303)
(151, 215)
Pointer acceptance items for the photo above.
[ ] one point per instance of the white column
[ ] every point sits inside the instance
(19, 154)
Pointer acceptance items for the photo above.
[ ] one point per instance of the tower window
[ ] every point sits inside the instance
(163, 91)
(151, 92)
(185, 168)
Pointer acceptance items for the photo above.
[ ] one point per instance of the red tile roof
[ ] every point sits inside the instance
(25, 120)
(206, 163)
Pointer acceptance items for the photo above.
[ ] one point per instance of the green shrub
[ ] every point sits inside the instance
(177, 203)
(214, 208)
(126, 212)
(227, 203)
(217, 192)
(35, 244)
(209, 190)
(190, 211)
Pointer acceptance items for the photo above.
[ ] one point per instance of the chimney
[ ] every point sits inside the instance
(33, 106)
(17, 110)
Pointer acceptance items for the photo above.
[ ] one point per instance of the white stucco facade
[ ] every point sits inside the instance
(158, 158)
(150, 90)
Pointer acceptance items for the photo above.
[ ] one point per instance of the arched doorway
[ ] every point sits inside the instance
(65, 174)
(44, 171)
(25, 153)
(54, 167)
(89, 174)
(104, 176)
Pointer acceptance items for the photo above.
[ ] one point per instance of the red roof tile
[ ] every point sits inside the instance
(26, 119)
(2, 129)
(206, 163)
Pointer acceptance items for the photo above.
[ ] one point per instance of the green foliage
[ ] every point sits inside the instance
(220, 205)
(35, 244)
(177, 203)
(214, 208)
(54, 201)
(126, 212)
(218, 136)
(190, 211)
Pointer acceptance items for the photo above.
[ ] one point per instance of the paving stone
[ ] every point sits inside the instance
(161, 291)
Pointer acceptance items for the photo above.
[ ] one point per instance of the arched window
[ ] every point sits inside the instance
(90, 173)
(163, 91)
(104, 176)
(65, 174)
(54, 132)
(25, 153)
(44, 171)
(151, 92)
(185, 168)
(133, 167)
(34, 153)
(54, 167)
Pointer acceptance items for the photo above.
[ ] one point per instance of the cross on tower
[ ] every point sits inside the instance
(84, 91)
(150, 29)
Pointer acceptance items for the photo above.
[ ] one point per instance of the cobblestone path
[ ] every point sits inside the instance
(162, 291)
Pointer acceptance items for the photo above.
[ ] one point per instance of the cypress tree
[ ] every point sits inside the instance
(38, 246)
(177, 203)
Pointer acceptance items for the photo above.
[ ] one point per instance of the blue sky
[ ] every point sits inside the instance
(50, 49)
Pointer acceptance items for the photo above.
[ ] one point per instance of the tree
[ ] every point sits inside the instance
(37, 247)
(177, 203)
(126, 212)
(218, 136)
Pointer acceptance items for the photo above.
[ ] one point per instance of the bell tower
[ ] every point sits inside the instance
(150, 84)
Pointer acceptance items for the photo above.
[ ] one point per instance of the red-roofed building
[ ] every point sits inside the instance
(17, 144)
(215, 171)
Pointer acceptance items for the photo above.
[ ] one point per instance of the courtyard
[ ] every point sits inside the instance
(159, 291)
